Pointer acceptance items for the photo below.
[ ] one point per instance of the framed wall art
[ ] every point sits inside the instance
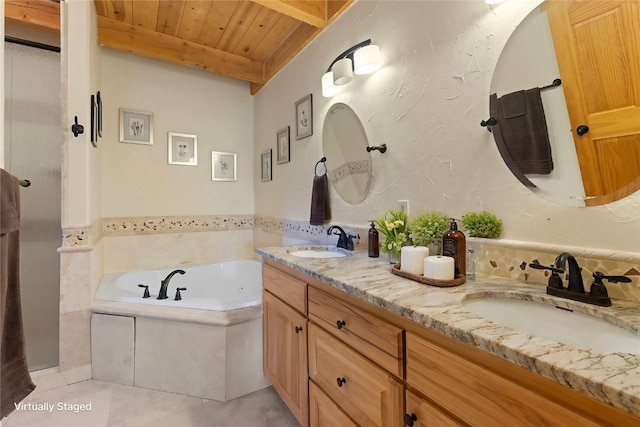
(304, 117)
(265, 165)
(136, 127)
(283, 145)
(183, 149)
(223, 166)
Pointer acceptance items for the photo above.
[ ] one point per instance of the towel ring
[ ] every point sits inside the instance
(322, 160)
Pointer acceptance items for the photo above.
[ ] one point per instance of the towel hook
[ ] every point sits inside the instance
(322, 160)
(382, 148)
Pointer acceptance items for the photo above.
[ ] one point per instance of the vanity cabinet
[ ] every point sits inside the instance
(421, 413)
(284, 326)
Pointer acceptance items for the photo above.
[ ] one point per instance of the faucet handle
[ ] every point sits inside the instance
(178, 296)
(598, 288)
(555, 281)
(146, 290)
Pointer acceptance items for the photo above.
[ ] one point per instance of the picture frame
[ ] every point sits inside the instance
(183, 149)
(304, 117)
(94, 123)
(224, 166)
(136, 127)
(99, 119)
(283, 145)
(265, 165)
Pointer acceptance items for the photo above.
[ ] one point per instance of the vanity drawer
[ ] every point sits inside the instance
(375, 338)
(289, 289)
(477, 395)
(323, 412)
(364, 391)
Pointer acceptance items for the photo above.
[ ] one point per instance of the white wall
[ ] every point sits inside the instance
(426, 104)
(137, 179)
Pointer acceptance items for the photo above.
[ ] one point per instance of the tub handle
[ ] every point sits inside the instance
(298, 329)
(178, 295)
(146, 290)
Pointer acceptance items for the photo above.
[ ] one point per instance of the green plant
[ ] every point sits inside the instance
(482, 224)
(428, 225)
(395, 226)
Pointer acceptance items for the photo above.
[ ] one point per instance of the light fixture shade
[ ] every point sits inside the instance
(328, 89)
(367, 59)
(342, 72)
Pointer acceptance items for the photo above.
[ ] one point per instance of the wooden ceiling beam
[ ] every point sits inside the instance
(41, 13)
(135, 39)
(312, 12)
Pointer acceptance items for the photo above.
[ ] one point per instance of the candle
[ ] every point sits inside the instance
(439, 267)
(412, 259)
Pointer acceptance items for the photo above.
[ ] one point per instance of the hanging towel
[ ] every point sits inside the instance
(320, 208)
(15, 382)
(524, 131)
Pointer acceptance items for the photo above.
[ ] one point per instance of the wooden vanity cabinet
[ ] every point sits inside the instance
(421, 413)
(284, 324)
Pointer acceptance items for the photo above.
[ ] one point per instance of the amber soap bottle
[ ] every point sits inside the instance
(454, 245)
(373, 241)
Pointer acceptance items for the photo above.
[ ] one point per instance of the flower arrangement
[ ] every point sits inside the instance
(395, 226)
(427, 226)
(482, 224)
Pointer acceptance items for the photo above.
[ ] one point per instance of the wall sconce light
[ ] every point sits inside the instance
(363, 58)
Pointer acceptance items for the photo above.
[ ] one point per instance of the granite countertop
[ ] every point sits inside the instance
(613, 378)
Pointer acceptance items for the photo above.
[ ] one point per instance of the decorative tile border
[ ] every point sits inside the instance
(348, 169)
(174, 224)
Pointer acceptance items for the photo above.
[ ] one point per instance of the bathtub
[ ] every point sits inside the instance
(208, 345)
(223, 286)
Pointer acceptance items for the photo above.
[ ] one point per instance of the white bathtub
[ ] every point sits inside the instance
(221, 286)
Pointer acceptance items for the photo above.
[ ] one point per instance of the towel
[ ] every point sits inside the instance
(320, 208)
(15, 382)
(524, 131)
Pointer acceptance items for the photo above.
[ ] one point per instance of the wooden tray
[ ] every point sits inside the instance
(459, 280)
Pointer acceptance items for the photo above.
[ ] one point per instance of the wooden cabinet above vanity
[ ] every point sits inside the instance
(366, 365)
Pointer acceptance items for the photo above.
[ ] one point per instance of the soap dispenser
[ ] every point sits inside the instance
(454, 245)
(373, 241)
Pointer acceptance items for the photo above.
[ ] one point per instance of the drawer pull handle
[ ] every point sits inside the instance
(340, 324)
(341, 381)
(410, 419)
(298, 329)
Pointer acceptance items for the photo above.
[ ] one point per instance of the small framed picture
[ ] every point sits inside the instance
(223, 166)
(99, 102)
(283, 145)
(94, 122)
(304, 117)
(265, 165)
(136, 127)
(183, 149)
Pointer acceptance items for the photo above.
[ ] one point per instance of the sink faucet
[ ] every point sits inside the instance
(575, 278)
(344, 241)
(164, 284)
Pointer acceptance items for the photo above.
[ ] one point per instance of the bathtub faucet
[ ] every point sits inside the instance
(164, 284)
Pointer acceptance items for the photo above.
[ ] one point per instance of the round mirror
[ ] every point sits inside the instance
(344, 143)
(568, 126)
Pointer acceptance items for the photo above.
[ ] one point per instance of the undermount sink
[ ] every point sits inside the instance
(556, 324)
(318, 252)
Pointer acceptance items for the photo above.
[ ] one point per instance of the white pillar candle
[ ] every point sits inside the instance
(412, 259)
(439, 267)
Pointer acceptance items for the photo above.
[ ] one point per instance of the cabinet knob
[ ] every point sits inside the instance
(298, 329)
(341, 381)
(340, 324)
(410, 419)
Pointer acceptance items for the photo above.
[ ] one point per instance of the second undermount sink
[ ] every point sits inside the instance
(318, 252)
(556, 324)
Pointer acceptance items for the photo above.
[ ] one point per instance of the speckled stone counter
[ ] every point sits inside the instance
(613, 378)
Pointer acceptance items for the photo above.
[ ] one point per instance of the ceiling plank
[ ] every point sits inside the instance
(256, 33)
(145, 13)
(289, 48)
(40, 13)
(169, 16)
(280, 31)
(216, 22)
(240, 22)
(193, 18)
(140, 41)
(336, 7)
(312, 12)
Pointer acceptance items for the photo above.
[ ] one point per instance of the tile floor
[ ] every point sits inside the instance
(115, 405)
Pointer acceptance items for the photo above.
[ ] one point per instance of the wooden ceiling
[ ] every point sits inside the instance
(249, 40)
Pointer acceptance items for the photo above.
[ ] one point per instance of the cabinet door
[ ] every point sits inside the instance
(323, 412)
(285, 354)
(421, 413)
(364, 391)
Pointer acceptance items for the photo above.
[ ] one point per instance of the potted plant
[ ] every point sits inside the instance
(482, 224)
(427, 229)
(395, 227)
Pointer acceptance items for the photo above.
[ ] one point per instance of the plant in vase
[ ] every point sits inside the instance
(395, 227)
(427, 230)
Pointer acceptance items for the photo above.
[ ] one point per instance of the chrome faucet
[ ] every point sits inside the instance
(344, 241)
(164, 284)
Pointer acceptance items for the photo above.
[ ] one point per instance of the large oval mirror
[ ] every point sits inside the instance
(575, 141)
(344, 144)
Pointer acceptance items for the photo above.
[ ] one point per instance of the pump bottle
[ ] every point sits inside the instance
(373, 245)
(454, 245)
